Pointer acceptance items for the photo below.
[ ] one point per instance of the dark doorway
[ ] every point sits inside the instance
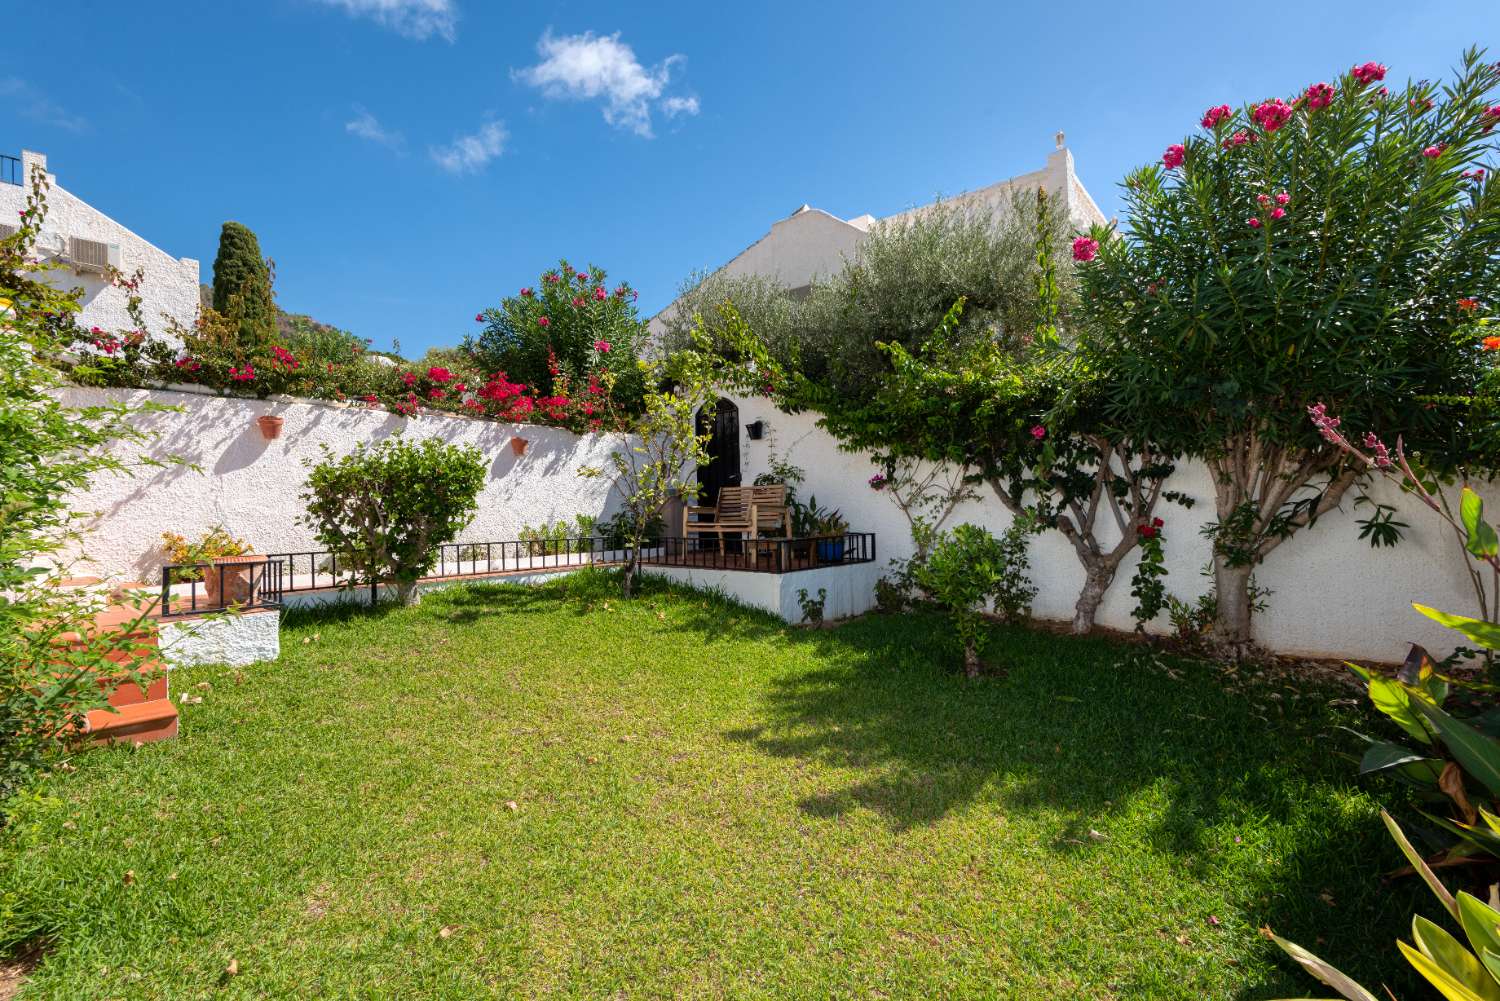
(723, 469)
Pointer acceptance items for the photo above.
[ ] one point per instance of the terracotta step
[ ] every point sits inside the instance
(124, 690)
(80, 581)
(140, 723)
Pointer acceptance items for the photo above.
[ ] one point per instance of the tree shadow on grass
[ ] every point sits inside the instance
(1099, 735)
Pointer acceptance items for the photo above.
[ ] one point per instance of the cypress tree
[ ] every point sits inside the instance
(240, 272)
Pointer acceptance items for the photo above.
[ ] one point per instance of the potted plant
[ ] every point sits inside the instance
(270, 426)
(201, 561)
(518, 445)
(831, 528)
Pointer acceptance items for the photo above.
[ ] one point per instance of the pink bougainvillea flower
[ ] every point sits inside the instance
(1038, 432)
(1368, 73)
(1213, 116)
(245, 374)
(542, 321)
(1282, 198)
(1271, 115)
(1084, 248)
(1319, 95)
(1278, 212)
(1173, 157)
(408, 378)
(1434, 151)
(1253, 222)
(602, 347)
(439, 374)
(599, 293)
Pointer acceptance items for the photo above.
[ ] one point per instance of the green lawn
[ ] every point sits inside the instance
(537, 792)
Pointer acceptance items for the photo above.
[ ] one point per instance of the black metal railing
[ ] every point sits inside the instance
(311, 570)
(197, 588)
(762, 555)
(10, 169)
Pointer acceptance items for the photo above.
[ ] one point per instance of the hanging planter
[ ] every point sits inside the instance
(270, 426)
(518, 445)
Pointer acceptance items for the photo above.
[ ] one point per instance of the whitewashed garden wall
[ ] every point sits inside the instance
(1334, 596)
(253, 487)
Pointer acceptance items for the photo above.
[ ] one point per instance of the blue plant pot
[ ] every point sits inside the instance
(830, 550)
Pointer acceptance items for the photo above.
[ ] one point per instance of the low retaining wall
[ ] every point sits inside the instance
(850, 590)
(235, 639)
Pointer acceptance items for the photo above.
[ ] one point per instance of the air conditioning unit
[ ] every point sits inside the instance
(92, 255)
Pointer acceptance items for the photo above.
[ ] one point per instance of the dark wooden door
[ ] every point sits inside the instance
(723, 469)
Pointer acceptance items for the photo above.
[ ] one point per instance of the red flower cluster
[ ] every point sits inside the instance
(439, 374)
(1239, 138)
(1150, 531)
(1271, 115)
(1368, 73)
(285, 358)
(1085, 248)
(1173, 157)
(1213, 116)
(246, 374)
(1319, 95)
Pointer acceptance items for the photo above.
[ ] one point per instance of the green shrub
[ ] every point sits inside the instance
(968, 568)
(242, 284)
(389, 506)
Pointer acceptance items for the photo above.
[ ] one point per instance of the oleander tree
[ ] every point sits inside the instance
(1321, 248)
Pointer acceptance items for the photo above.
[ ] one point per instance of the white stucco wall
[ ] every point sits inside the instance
(170, 286)
(253, 487)
(849, 590)
(1334, 595)
(236, 640)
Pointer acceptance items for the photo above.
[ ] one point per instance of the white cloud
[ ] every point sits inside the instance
(468, 154)
(367, 126)
(419, 19)
(37, 106)
(587, 67)
(674, 106)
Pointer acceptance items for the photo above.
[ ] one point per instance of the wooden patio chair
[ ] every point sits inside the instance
(743, 510)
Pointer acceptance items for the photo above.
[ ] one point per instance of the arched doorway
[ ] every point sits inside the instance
(723, 468)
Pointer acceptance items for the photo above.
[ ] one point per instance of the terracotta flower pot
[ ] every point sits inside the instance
(270, 426)
(518, 445)
(232, 579)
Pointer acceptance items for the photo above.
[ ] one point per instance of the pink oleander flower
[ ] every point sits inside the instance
(1213, 116)
(1038, 432)
(602, 347)
(1271, 115)
(577, 301)
(1253, 222)
(527, 292)
(1263, 199)
(1476, 174)
(1173, 157)
(1420, 106)
(600, 294)
(1319, 95)
(542, 321)
(1434, 151)
(1368, 73)
(1282, 198)
(478, 317)
(1490, 117)
(1278, 212)
(553, 279)
(1239, 138)
(1085, 248)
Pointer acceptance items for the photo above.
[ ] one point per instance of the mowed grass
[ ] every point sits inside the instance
(551, 792)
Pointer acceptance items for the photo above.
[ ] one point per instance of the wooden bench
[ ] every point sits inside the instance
(751, 511)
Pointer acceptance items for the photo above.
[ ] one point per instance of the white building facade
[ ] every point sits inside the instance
(89, 244)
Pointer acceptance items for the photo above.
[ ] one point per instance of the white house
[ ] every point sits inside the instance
(90, 243)
(811, 242)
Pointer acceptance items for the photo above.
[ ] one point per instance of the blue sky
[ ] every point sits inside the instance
(408, 162)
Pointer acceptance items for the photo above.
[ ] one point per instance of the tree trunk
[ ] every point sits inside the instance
(627, 584)
(971, 660)
(1096, 582)
(1232, 615)
(407, 592)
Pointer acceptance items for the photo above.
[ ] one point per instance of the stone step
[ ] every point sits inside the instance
(138, 723)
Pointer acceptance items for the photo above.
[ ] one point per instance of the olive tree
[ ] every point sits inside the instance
(1317, 249)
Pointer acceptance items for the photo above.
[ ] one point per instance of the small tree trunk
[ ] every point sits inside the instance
(1096, 581)
(971, 659)
(407, 592)
(628, 581)
(1232, 629)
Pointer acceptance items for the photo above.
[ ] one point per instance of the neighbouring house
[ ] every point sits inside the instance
(91, 245)
(811, 242)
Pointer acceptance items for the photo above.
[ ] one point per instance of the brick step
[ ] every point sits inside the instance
(124, 690)
(139, 723)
